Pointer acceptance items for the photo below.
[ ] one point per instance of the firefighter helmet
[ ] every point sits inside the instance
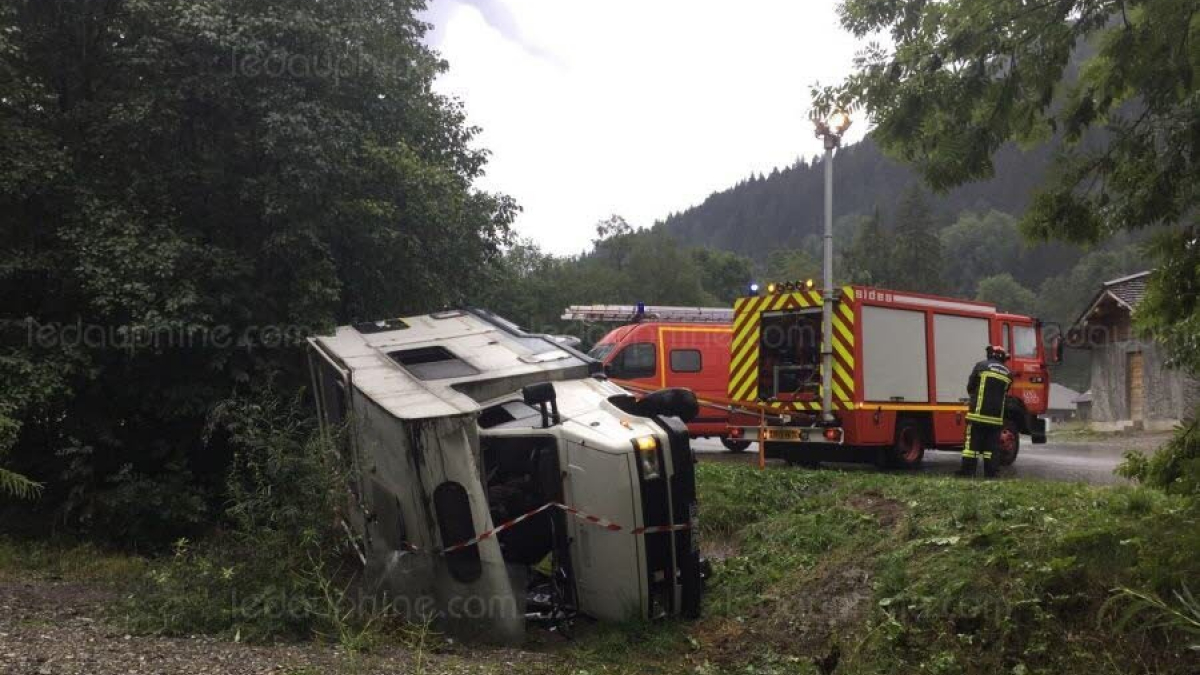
(997, 352)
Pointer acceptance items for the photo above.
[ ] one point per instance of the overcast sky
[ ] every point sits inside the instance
(634, 107)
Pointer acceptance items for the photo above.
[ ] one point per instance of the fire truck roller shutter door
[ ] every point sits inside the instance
(957, 341)
(894, 357)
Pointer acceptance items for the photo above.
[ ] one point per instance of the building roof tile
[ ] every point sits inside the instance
(1127, 291)
(1130, 289)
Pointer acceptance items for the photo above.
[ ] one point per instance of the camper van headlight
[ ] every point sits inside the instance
(646, 448)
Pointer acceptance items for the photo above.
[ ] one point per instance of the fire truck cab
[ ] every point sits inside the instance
(901, 362)
(663, 347)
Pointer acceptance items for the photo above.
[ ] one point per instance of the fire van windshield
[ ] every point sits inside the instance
(600, 351)
(790, 355)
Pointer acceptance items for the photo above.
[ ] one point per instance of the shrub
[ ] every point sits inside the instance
(268, 573)
(1175, 467)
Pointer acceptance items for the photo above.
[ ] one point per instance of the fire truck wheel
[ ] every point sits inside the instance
(734, 445)
(909, 449)
(1010, 443)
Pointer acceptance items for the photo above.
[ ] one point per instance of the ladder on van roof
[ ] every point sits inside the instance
(642, 312)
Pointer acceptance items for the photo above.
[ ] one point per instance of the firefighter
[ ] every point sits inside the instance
(987, 389)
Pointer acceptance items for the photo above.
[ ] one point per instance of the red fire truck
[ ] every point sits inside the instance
(663, 347)
(900, 366)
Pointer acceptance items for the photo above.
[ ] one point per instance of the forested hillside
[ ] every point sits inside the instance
(784, 207)
(891, 232)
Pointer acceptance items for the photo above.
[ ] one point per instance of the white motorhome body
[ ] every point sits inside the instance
(452, 430)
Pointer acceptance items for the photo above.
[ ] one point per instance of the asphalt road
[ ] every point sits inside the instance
(1088, 460)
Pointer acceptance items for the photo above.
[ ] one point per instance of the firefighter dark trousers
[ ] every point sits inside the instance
(983, 441)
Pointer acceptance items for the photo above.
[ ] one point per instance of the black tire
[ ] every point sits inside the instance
(734, 445)
(909, 447)
(1010, 443)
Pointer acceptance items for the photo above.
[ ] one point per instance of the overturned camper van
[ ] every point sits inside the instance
(494, 475)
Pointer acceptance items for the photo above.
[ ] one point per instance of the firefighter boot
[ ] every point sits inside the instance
(968, 468)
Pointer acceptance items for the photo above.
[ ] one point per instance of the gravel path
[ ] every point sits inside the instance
(57, 628)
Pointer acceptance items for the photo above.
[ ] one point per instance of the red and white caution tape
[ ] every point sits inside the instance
(594, 520)
(586, 517)
(498, 529)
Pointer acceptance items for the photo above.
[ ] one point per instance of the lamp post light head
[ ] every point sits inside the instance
(840, 121)
(830, 130)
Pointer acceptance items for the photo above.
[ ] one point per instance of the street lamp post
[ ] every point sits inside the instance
(830, 132)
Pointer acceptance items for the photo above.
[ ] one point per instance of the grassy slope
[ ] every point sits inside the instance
(886, 573)
(880, 573)
(69, 561)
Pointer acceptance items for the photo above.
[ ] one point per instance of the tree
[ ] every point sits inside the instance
(530, 287)
(1007, 294)
(724, 275)
(868, 256)
(191, 188)
(916, 259)
(1171, 308)
(792, 264)
(966, 76)
(1062, 297)
(978, 246)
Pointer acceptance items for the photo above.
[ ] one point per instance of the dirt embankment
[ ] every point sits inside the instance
(806, 616)
(59, 628)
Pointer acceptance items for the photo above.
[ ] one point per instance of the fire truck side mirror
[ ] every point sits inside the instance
(1057, 344)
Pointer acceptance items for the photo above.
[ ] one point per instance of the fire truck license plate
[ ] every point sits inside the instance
(786, 435)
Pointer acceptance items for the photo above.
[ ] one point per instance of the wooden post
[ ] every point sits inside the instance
(762, 441)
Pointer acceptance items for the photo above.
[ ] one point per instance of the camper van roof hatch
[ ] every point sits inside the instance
(433, 363)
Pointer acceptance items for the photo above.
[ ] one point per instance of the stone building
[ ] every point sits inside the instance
(1131, 385)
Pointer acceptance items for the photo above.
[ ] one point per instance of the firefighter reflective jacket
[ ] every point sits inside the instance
(988, 387)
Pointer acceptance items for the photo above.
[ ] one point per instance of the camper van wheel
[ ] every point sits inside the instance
(735, 445)
(1010, 443)
(909, 448)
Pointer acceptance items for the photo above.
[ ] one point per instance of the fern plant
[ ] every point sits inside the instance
(1154, 612)
(14, 484)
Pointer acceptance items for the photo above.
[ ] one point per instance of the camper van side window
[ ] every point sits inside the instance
(636, 360)
(685, 361)
(453, 508)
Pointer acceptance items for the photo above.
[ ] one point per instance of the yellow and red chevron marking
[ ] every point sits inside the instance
(843, 349)
(747, 327)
